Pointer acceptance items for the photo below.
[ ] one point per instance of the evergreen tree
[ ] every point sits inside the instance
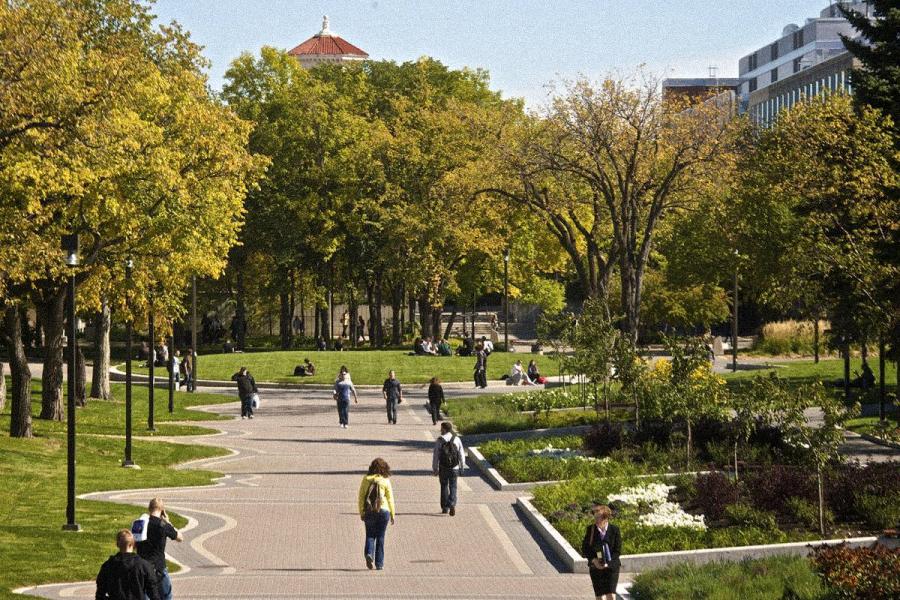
(877, 83)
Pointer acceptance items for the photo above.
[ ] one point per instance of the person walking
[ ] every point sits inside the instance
(435, 399)
(480, 367)
(376, 509)
(361, 329)
(153, 549)
(343, 389)
(393, 395)
(187, 365)
(345, 323)
(447, 461)
(246, 388)
(602, 546)
(126, 576)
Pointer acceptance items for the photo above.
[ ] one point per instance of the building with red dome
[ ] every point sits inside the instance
(325, 47)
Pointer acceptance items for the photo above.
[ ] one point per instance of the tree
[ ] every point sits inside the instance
(605, 165)
(877, 83)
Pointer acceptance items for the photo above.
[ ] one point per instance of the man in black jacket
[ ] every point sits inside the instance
(153, 549)
(126, 576)
(246, 388)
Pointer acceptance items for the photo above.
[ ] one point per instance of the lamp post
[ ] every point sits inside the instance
(127, 462)
(506, 298)
(151, 379)
(70, 246)
(172, 371)
(194, 352)
(734, 317)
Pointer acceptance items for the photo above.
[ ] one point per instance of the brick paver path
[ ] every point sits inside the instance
(284, 524)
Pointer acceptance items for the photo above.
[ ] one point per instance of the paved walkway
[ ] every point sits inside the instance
(283, 521)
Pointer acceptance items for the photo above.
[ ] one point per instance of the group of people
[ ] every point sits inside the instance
(138, 570)
(431, 347)
(519, 375)
(181, 367)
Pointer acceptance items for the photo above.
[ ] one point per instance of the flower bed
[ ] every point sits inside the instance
(712, 511)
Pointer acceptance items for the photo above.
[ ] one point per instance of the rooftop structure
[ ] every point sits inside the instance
(326, 47)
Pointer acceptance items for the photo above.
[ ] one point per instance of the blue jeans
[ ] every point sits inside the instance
(164, 584)
(246, 407)
(343, 407)
(448, 478)
(376, 526)
(391, 410)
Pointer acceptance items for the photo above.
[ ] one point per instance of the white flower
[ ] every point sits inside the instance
(565, 454)
(662, 513)
(651, 494)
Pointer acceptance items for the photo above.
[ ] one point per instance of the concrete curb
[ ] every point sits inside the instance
(871, 438)
(476, 438)
(495, 478)
(637, 563)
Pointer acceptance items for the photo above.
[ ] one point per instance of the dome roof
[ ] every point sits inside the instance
(326, 43)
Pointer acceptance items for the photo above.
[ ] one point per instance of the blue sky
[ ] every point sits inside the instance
(524, 44)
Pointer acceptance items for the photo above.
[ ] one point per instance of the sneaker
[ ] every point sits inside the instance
(251, 416)
(379, 568)
(452, 511)
(444, 510)
(243, 417)
(370, 562)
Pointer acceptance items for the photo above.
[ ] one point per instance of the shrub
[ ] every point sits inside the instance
(846, 483)
(870, 573)
(713, 492)
(743, 514)
(790, 337)
(880, 512)
(763, 579)
(769, 489)
(603, 438)
(807, 514)
(655, 432)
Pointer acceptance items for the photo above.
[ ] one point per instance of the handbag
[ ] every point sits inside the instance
(254, 400)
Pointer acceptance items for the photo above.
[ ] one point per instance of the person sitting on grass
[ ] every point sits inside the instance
(307, 369)
(444, 348)
(517, 375)
(339, 344)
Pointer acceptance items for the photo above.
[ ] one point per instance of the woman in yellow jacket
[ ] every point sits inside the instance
(376, 509)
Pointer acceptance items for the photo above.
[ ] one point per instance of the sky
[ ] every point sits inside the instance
(525, 45)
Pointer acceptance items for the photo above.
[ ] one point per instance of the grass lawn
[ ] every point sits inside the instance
(33, 548)
(807, 371)
(366, 366)
(495, 412)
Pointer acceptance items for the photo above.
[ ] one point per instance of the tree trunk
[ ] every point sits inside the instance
(816, 340)
(881, 379)
(631, 301)
(436, 312)
(80, 377)
(52, 311)
(20, 403)
(412, 313)
(370, 300)
(325, 322)
(377, 317)
(2, 388)
(284, 321)
(425, 316)
(396, 314)
(316, 332)
(846, 350)
(821, 500)
(450, 322)
(354, 317)
(689, 444)
(240, 312)
(100, 374)
(735, 460)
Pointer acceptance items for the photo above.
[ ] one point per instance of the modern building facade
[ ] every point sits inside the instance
(326, 47)
(803, 62)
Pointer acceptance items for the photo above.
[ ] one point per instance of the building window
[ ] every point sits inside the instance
(752, 85)
(774, 75)
(773, 51)
(797, 64)
(798, 38)
(751, 63)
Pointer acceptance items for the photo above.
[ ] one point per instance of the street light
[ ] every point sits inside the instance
(70, 246)
(506, 298)
(151, 379)
(734, 317)
(193, 383)
(127, 462)
(172, 370)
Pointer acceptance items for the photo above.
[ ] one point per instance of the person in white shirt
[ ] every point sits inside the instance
(447, 462)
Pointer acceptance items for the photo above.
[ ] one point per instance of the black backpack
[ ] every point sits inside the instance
(372, 503)
(448, 455)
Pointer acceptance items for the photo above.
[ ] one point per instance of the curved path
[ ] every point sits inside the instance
(282, 523)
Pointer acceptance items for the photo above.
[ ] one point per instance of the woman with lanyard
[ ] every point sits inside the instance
(602, 546)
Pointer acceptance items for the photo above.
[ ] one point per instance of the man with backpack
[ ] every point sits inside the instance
(447, 462)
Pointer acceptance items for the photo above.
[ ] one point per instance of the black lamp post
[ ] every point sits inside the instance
(70, 246)
(506, 299)
(194, 352)
(127, 462)
(172, 372)
(734, 319)
(151, 379)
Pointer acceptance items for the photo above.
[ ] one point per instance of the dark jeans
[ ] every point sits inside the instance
(246, 407)
(164, 584)
(391, 410)
(448, 478)
(343, 407)
(435, 410)
(376, 526)
(189, 381)
(481, 378)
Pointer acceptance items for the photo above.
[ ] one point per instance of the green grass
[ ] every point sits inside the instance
(366, 366)
(33, 548)
(807, 371)
(492, 413)
(889, 431)
(761, 579)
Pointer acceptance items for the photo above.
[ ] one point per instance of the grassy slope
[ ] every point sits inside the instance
(33, 495)
(366, 366)
(807, 371)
